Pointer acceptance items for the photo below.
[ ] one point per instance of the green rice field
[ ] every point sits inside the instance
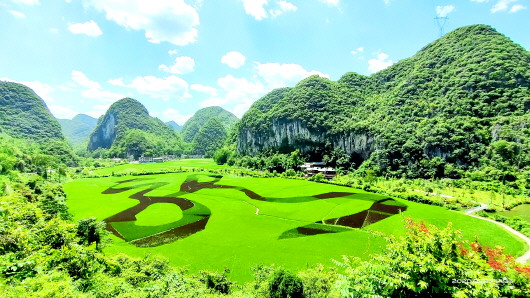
(209, 222)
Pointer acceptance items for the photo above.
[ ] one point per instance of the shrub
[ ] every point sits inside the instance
(216, 282)
(285, 284)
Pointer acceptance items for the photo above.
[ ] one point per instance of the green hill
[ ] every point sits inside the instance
(460, 103)
(127, 129)
(174, 125)
(23, 114)
(199, 119)
(78, 129)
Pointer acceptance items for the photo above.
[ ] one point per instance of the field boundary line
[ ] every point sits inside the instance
(257, 209)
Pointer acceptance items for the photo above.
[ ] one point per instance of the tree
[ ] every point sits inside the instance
(89, 231)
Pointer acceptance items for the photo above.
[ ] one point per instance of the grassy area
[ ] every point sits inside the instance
(523, 211)
(243, 232)
(159, 214)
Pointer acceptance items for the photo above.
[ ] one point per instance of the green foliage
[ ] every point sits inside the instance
(430, 262)
(515, 222)
(285, 284)
(48, 160)
(89, 231)
(209, 138)
(23, 114)
(201, 117)
(459, 104)
(216, 282)
(222, 155)
(269, 161)
(319, 281)
(78, 129)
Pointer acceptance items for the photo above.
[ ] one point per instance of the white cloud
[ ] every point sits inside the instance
(17, 14)
(89, 28)
(54, 30)
(170, 21)
(283, 6)
(379, 63)
(41, 89)
(164, 88)
(501, 5)
(175, 115)
(278, 75)
(237, 91)
(183, 65)
(26, 2)
(443, 11)
(204, 89)
(255, 8)
(233, 59)
(172, 52)
(101, 95)
(241, 108)
(357, 51)
(98, 110)
(62, 112)
(93, 90)
(84, 81)
(117, 82)
(334, 2)
(517, 7)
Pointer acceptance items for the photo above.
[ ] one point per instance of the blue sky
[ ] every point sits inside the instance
(181, 55)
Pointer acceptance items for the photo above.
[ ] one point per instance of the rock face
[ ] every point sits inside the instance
(23, 114)
(105, 134)
(296, 135)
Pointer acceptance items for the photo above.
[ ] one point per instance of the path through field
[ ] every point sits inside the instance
(522, 259)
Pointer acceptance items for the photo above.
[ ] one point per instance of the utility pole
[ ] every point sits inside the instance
(440, 21)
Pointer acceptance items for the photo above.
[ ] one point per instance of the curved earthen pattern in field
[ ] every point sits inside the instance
(377, 212)
(195, 216)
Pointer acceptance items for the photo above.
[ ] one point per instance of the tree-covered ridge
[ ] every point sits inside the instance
(434, 114)
(128, 119)
(23, 114)
(78, 129)
(209, 139)
(199, 119)
(174, 125)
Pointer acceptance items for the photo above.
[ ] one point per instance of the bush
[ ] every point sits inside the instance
(285, 284)
(217, 283)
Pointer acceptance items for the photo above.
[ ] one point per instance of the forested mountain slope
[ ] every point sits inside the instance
(127, 129)
(201, 117)
(78, 129)
(460, 103)
(23, 114)
(174, 125)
